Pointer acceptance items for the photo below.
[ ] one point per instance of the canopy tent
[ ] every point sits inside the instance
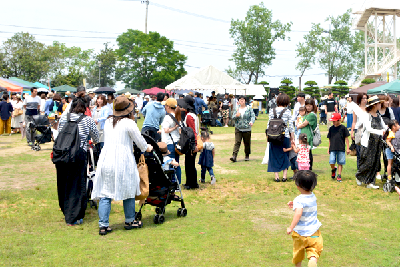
(153, 91)
(131, 91)
(389, 88)
(64, 88)
(23, 82)
(208, 78)
(24, 86)
(3, 89)
(39, 85)
(255, 89)
(364, 89)
(10, 87)
(186, 91)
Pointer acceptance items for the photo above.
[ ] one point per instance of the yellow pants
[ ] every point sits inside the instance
(313, 245)
(5, 126)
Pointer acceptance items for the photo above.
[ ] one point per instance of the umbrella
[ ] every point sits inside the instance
(153, 91)
(104, 90)
(389, 88)
(42, 90)
(365, 88)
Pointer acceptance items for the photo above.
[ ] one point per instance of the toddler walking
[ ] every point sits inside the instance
(206, 159)
(303, 152)
(305, 224)
(393, 126)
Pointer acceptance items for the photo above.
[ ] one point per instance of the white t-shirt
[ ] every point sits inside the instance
(350, 107)
(32, 104)
(168, 122)
(242, 111)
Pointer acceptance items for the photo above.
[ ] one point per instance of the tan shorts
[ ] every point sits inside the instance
(313, 245)
(225, 113)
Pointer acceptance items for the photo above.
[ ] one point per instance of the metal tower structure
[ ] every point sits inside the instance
(381, 47)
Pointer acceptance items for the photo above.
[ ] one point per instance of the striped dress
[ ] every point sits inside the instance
(86, 126)
(308, 223)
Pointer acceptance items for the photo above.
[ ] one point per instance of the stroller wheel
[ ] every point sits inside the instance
(184, 212)
(211, 132)
(155, 219)
(161, 219)
(179, 212)
(387, 187)
(158, 210)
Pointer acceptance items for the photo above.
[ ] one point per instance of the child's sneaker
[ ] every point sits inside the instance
(334, 173)
(379, 177)
(202, 181)
(213, 180)
(339, 178)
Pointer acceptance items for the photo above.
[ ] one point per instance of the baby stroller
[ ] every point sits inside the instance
(162, 184)
(91, 173)
(389, 185)
(41, 124)
(206, 121)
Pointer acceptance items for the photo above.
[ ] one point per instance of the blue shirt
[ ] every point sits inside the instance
(5, 110)
(198, 104)
(308, 223)
(104, 113)
(154, 113)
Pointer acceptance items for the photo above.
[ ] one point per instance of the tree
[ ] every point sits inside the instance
(148, 60)
(23, 57)
(254, 38)
(308, 50)
(74, 78)
(108, 59)
(264, 83)
(341, 89)
(312, 89)
(287, 88)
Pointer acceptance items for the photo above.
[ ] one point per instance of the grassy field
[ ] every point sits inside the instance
(241, 221)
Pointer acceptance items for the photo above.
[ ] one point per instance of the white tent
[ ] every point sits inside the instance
(208, 79)
(255, 89)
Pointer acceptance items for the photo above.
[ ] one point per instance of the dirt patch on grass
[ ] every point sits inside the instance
(265, 225)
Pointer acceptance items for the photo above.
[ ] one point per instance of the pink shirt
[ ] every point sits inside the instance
(303, 155)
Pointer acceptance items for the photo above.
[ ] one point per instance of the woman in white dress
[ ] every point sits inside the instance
(17, 118)
(117, 176)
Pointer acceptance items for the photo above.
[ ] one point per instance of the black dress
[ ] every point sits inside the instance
(370, 157)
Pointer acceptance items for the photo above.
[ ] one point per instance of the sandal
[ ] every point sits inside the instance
(104, 230)
(284, 179)
(133, 225)
(277, 180)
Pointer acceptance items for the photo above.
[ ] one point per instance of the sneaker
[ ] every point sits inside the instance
(339, 178)
(202, 181)
(213, 180)
(378, 177)
(233, 158)
(247, 158)
(359, 183)
(334, 173)
(312, 263)
(372, 186)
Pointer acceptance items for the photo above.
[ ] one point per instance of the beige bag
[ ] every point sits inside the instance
(199, 143)
(144, 179)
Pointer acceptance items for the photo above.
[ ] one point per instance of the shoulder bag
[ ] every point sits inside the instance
(316, 135)
(144, 179)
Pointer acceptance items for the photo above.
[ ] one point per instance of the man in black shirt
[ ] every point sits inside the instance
(337, 135)
(330, 107)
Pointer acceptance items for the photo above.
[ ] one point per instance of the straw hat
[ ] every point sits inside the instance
(171, 102)
(122, 106)
(128, 95)
(50, 95)
(373, 100)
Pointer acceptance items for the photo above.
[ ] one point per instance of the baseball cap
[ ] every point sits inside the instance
(171, 102)
(335, 117)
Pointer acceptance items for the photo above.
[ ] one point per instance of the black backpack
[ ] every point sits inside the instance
(276, 128)
(187, 141)
(67, 146)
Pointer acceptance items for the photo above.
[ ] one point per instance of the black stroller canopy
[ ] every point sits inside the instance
(40, 120)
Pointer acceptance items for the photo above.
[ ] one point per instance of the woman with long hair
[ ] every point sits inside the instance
(370, 152)
(358, 113)
(71, 177)
(385, 111)
(117, 176)
(170, 130)
(309, 124)
(100, 114)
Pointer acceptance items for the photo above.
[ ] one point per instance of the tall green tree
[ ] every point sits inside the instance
(254, 37)
(148, 60)
(23, 57)
(102, 64)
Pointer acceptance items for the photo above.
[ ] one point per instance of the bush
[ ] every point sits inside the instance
(368, 81)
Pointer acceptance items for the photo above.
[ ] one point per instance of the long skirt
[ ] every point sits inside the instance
(190, 170)
(278, 160)
(370, 160)
(71, 187)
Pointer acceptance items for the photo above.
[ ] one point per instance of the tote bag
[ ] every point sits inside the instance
(144, 179)
(266, 155)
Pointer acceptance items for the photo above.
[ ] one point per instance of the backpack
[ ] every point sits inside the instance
(187, 142)
(67, 147)
(276, 128)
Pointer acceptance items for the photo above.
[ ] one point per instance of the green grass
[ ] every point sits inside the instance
(241, 221)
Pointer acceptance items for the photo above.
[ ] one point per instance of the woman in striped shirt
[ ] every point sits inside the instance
(71, 177)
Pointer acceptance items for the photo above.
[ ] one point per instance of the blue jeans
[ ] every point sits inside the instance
(339, 156)
(174, 155)
(105, 209)
(204, 169)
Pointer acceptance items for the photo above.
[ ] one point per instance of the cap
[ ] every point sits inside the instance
(335, 117)
(171, 102)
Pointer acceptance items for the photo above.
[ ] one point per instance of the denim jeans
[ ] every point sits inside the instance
(105, 209)
(204, 169)
(174, 155)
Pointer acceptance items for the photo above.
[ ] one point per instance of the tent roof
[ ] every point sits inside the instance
(153, 91)
(23, 82)
(38, 84)
(24, 86)
(10, 87)
(207, 78)
(390, 88)
(365, 88)
(255, 89)
(64, 88)
(127, 90)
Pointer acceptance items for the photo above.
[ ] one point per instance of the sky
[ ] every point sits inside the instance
(199, 29)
